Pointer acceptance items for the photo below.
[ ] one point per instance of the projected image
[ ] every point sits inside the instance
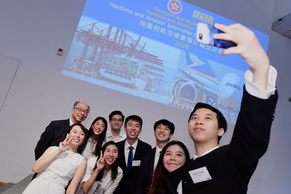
(204, 80)
(112, 57)
(150, 50)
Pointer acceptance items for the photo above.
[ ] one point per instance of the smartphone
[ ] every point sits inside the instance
(204, 35)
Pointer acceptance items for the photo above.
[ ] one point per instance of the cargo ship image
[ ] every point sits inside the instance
(106, 52)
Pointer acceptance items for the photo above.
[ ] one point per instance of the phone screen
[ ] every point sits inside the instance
(204, 35)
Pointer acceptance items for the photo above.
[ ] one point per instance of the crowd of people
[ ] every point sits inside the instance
(72, 159)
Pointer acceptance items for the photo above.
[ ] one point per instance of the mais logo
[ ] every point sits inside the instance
(202, 17)
(175, 6)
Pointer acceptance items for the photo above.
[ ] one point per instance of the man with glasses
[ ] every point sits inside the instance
(55, 131)
(116, 119)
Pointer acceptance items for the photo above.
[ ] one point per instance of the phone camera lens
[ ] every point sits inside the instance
(200, 36)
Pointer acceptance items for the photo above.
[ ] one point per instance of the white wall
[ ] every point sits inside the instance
(33, 30)
(281, 8)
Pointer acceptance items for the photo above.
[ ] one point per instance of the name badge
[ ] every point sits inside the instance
(200, 175)
(136, 163)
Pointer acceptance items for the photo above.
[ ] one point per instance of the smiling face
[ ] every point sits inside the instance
(116, 123)
(163, 133)
(174, 158)
(98, 127)
(132, 129)
(203, 127)
(76, 135)
(110, 154)
(80, 112)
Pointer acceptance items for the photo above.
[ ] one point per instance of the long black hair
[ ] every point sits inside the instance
(101, 138)
(158, 181)
(114, 167)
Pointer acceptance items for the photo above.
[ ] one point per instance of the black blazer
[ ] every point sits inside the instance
(54, 133)
(128, 182)
(146, 171)
(231, 166)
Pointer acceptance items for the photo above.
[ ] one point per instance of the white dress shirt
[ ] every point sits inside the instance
(157, 156)
(126, 150)
(109, 137)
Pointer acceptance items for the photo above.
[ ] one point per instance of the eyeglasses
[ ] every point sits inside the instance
(116, 120)
(83, 111)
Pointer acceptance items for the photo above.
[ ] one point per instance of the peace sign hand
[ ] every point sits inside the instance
(101, 162)
(65, 144)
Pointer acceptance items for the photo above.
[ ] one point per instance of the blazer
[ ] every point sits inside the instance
(146, 171)
(230, 167)
(128, 182)
(54, 133)
(107, 184)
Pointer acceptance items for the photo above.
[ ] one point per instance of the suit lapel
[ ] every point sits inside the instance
(121, 156)
(152, 161)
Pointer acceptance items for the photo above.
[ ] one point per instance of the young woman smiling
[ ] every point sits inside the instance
(102, 174)
(96, 136)
(58, 165)
(173, 156)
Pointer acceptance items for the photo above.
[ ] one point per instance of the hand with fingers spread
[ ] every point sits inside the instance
(249, 48)
(65, 144)
(100, 162)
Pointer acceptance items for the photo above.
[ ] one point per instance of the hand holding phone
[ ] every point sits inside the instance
(204, 35)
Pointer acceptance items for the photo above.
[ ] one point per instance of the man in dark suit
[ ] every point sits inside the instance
(228, 169)
(55, 131)
(130, 152)
(163, 131)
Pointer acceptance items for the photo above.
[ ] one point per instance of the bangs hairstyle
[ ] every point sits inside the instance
(166, 123)
(83, 129)
(222, 123)
(134, 118)
(114, 167)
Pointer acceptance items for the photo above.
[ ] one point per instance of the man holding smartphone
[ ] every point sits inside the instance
(228, 169)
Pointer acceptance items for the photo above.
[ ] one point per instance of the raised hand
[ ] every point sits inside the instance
(100, 162)
(65, 144)
(249, 48)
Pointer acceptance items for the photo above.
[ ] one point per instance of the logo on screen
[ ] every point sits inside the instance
(175, 6)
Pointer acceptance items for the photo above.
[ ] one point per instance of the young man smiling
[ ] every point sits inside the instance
(163, 131)
(115, 134)
(130, 154)
(228, 169)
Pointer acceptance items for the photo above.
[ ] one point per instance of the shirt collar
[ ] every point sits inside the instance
(195, 156)
(71, 122)
(158, 151)
(134, 145)
(109, 134)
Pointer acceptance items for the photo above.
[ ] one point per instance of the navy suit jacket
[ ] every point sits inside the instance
(146, 171)
(231, 166)
(54, 133)
(128, 182)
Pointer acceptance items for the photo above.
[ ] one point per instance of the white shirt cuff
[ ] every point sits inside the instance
(255, 90)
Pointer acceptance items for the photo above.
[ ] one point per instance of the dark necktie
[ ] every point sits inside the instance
(130, 156)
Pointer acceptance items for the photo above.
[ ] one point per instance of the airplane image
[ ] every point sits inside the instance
(204, 80)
